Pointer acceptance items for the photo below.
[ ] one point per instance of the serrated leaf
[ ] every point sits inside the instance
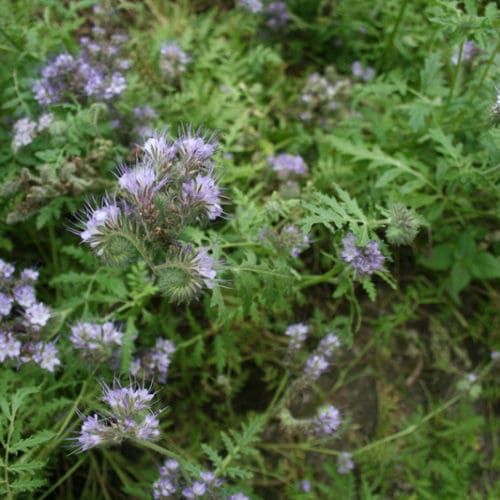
(32, 441)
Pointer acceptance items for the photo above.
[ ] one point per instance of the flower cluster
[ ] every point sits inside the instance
(327, 421)
(362, 73)
(298, 333)
(173, 185)
(253, 6)
(173, 61)
(95, 73)
(276, 15)
(154, 363)
(403, 225)
(323, 97)
(170, 485)
(288, 166)
(22, 320)
(364, 260)
(25, 130)
(130, 416)
(344, 463)
(96, 342)
(320, 360)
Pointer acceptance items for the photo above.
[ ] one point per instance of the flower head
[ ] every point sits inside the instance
(286, 165)
(24, 133)
(365, 260)
(203, 192)
(173, 61)
(344, 463)
(327, 421)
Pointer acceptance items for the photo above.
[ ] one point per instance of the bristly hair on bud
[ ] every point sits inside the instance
(186, 273)
(105, 229)
(403, 225)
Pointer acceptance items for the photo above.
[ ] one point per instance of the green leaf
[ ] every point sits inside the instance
(485, 266)
(459, 279)
(32, 441)
(441, 257)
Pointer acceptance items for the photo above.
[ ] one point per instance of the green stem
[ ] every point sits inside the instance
(487, 67)
(63, 478)
(159, 449)
(316, 280)
(392, 36)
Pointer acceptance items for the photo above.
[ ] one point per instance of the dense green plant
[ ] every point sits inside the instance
(309, 311)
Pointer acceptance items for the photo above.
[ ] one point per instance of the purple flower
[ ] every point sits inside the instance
(305, 486)
(167, 484)
(315, 367)
(115, 86)
(45, 354)
(140, 182)
(327, 421)
(6, 270)
(203, 191)
(359, 71)
(198, 489)
(37, 315)
(193, 149)
(92, 433)
(295, 239)
(328, 345)
(98, 221)
(298, 334)
(365, 260)
(173, 61)
(45, 121)
(158, 150)
(155, 362)
(238, 496)
(130, 416)
(5, 304)
(277, 15)
(9, 346)
(253, 6)
(287, 165)
(24, 295)
(29, 275)
(203, 265)
(24, 133)
(96, 341)
(344, 463)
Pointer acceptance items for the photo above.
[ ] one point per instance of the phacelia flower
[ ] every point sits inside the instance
(45, 354)
(204, 267)
(140, 183)
(365, 260)
(277, 15)
(45, 121)
(100, 224)
(167, 484)
(24, 295)
(97, 342)
(298, 334)
(29, 275)
(327, 421)
(155, 362)
(344, 463)
(295, 239)
(253, 6)
(362, 73)
(6, 270)
(315, 366)
(195, 150)
(9, 346)
(173, 61)
(203, 192)
(286, 165)
(24, 133)
(328, 345)
(305, 486)
(5, 304)
(37, 315)
(130, 416)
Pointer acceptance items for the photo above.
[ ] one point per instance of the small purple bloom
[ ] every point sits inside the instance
(45, 354)
(344, 463)
(365, 260)
(315, 367)
(288, 165)
(327, 421)
(305, 486)
(173, 61)
(37, 315)
(204, 192)
(253, 6)
(24, 133)
(9, 346)
(24, 295)
(298, 334)
(203, 264)
(5, 304)
(29, 275)
(277, 15)
(6, 270)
